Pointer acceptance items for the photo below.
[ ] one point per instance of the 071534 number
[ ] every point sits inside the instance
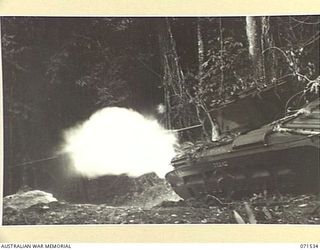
(309, 246)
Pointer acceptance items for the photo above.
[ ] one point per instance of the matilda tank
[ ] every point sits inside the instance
(282, 156)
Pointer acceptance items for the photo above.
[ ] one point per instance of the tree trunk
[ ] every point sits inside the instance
(269, 57)
(177, 96)
(253, 25)
(201, 58)
(200, 75)
(200, 50)
(164, 47)
(222, 59)
(173, 79)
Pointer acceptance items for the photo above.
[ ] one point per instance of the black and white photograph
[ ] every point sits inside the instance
(161, 120)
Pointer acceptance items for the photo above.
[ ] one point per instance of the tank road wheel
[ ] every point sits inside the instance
(286, 179)
(225, 183)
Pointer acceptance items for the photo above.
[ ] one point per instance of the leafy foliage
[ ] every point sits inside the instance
(290, 53)
(57, 71)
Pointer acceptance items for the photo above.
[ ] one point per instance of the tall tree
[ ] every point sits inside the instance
(255, 48)
(201, 104)
(269, 56)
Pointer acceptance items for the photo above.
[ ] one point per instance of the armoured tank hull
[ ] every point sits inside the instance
(281, 156)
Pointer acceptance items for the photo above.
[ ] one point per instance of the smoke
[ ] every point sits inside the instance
(120, 141)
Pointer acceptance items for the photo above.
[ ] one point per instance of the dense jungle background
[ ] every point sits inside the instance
(57, 71)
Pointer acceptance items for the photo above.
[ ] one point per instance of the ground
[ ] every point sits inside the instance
(159, 205)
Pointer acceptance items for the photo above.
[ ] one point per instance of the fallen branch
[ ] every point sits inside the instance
(273, 204)
(186, 128)
(238, 218)
(251, 217)
(211, 197)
